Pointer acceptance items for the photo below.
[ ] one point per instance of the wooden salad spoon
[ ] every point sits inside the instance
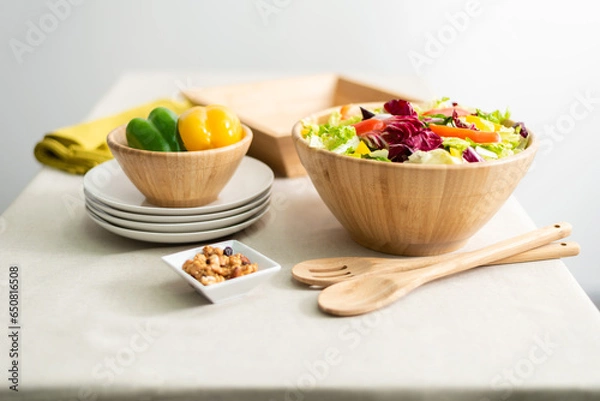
(327, 271)
(358, 296)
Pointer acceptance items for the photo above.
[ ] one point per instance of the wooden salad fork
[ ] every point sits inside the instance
(327, 271)
(358, 296)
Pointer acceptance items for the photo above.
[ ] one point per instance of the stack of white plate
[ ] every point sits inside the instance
(115, 204)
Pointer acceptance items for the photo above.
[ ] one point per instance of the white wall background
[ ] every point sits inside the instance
(539, 58)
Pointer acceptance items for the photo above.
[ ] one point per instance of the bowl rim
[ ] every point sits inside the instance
(530, 149)
(114, 144)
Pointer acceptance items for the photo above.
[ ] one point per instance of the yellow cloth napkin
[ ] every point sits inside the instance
(78, 148)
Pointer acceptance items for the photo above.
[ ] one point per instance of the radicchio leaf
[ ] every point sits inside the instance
(412, 132)
(374, 140)
(403, 135)
(399, 128)
(399, 107)
(366, 114)
(426, 140)
(459, 124)
(523, 131)
(471, 156)
(399, 152)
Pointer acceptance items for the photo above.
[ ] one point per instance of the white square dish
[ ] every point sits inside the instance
(232, 288)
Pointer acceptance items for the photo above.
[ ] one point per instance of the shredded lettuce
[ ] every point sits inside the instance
(314, 141)
(440, 102)
(456, 146)
(336, 136)
(434, 104)
(379, 154)
(435, 156)
(333, 136)
(499, 150)
(347, 147)
(351, 120)
(512, 143)
(495, 116)
(335, 119)
(456, 143)
(488, 154)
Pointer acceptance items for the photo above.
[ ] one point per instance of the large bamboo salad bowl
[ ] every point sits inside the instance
(410, 209)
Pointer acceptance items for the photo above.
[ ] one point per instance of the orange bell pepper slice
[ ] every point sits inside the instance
(463, 133)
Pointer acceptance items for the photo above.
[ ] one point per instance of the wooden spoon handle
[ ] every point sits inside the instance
(500, 250)
(554, 250)
(548, 251)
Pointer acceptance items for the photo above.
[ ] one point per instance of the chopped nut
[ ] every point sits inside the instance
(207, 251)
(214, 265)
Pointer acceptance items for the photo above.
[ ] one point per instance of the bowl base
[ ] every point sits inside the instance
(401, 249)
(181, 203)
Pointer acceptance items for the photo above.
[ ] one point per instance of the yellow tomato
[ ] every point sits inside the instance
(209, 127)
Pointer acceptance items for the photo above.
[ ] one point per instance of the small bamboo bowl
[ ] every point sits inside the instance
(178, 179)
(410, 209)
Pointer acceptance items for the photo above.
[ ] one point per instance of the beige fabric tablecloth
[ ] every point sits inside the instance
(104, 318)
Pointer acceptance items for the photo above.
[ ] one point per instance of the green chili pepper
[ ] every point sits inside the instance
(157, 133)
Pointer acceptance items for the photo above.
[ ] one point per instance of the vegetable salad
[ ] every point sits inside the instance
(441, 132)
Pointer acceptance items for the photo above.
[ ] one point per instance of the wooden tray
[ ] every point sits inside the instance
(271, 108)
